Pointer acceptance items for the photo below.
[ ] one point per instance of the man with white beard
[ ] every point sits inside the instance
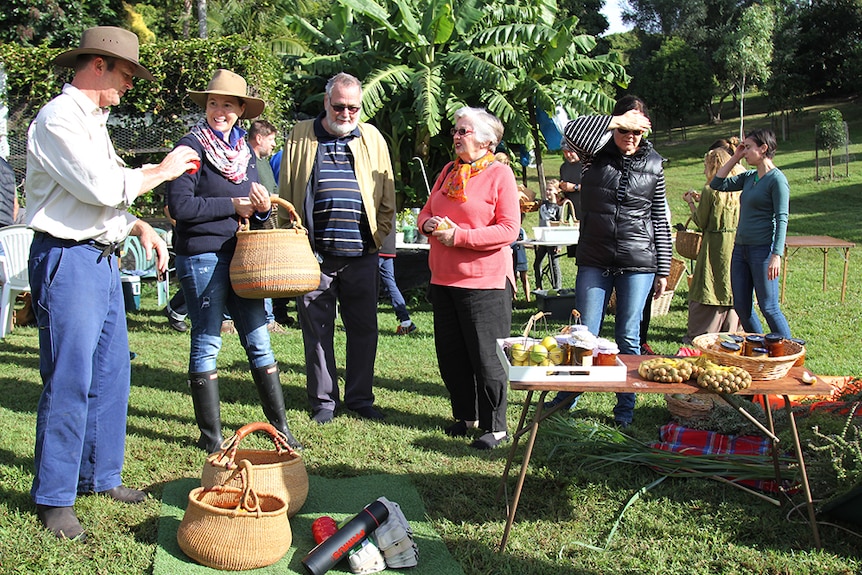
(337, 171)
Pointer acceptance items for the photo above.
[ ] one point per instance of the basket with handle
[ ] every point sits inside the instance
(275, 263)
(567, 216)
(688, 242)
(234, 529)
(280, 471)
(762, 368)
(691, 407)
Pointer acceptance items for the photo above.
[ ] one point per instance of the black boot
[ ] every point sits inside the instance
(272, 399)
(204, 389)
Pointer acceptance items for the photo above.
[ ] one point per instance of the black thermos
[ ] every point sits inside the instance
(323, 557)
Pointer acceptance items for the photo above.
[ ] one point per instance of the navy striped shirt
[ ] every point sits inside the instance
(340, 224)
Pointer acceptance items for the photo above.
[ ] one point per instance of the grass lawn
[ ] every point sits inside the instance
(682, 526)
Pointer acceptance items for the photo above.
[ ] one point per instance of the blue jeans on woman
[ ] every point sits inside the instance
(748, 273)
(206, 285)
(593, 289)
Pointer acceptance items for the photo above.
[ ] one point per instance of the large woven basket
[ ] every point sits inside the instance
(697, 407)
(234, 529)
(688, 242)
(762, 368)
(274, 263)
(280, 471)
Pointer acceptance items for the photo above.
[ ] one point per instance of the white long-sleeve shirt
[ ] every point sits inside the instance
(77, 186)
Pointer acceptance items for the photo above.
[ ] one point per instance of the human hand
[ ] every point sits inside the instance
(432, 224)
(445, 236)
(180, 160)
(691, 196)
(151, 240)
(659, 286)
(632, 120)
(243, 207)
(774, 267)
(259, 198)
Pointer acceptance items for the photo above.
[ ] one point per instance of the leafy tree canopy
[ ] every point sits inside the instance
(56, 23)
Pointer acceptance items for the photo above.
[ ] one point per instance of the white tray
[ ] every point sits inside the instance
(560, 373)
(560, 235)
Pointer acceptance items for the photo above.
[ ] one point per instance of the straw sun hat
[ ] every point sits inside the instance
(227, 83)
(106, 41)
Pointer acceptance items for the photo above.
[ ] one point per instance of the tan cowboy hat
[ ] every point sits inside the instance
(106, 41)
(227, 83)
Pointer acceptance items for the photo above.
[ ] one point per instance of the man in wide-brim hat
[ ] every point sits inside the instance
(78, 192)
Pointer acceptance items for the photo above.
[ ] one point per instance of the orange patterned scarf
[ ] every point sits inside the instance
(456, 182)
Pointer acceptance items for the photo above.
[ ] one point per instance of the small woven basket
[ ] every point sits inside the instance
(235, 529)
(688, 242)
(280, 471)
(692, 408)
(275, 263)
(761, 368)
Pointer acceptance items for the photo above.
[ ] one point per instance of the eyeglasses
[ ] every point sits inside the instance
(339, 108)
(460, 131)
(632, 132)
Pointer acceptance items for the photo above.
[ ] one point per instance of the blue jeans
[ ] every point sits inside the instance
(593, 289)
(387, 278)
(206, 285)
(748, 268)
(84, 363)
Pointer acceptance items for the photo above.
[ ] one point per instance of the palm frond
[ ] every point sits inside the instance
(377, 87)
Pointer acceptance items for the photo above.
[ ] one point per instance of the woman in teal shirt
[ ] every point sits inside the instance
(764, 207)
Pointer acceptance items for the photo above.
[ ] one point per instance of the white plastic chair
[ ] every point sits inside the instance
(14, 274)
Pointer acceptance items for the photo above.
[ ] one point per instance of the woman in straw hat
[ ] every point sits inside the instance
(207, 206)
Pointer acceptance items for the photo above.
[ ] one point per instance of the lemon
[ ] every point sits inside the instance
(538, 353)
(518, 352)
(549, 342)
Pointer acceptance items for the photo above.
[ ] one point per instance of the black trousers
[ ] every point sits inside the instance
(467, 324)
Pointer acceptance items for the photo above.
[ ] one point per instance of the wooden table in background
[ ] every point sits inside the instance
(824, 243)
(791, 384)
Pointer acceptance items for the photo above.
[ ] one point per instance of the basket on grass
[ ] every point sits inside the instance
(693, 407)
(688, 242)
(280, 471)
(275, 263)
(762, 368)
(235, 529)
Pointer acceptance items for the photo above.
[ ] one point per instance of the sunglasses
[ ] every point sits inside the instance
(339, 108)
(460, 131)
(632, 132)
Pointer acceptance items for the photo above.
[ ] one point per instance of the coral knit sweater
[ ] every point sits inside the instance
(487, 224)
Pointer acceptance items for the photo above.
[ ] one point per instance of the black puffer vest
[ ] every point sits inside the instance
(617, 232)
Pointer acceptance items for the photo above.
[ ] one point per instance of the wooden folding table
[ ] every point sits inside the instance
(823, 243)
(791, 384)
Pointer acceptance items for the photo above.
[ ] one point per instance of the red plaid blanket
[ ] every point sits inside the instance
(676, 438)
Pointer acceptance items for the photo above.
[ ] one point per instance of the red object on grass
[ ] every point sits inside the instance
(323, 528)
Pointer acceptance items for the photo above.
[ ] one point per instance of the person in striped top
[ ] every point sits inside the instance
(338, 173)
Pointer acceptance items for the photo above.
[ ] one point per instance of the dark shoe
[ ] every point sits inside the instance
(205, 397)
(132, 356)
(457, 429)
(268, 383)
(402, 330)
(369, 412)
(488, 441)
(622, 424)
(125, 494)
(646, 349)
(568, 397)
(175, 324)
(61, 521)
(323, 416)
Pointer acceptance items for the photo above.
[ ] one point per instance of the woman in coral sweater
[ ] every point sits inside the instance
(473, 216)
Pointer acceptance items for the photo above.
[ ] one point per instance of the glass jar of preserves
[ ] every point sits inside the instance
(606, 353)
(775, 344)
(752, 342)
(730, 347)
(759, 352)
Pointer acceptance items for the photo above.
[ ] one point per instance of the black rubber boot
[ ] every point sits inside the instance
(272, 400)
(204, 389)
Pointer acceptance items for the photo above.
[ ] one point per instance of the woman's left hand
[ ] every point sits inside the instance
(447, 236)
(259, 198)
(774, 267)
(659, 285)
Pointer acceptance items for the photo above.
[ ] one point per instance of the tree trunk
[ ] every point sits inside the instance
(187, 18)
(534, 126)
(202, 18)
(742, 109)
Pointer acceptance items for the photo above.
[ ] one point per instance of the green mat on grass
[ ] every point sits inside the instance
(338, 498)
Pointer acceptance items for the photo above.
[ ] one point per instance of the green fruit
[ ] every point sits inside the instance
(538, 353)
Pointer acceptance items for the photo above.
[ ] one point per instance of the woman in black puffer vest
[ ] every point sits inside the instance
(625, 242)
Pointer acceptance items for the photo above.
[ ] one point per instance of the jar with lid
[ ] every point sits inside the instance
(752, 342)
(759, 352)
(775, 344)
(606, 352)
(730, 347)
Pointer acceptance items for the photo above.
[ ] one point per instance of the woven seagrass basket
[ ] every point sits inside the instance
(762, 368)
(275, 263)
(235, 529)
(280, 471)
(692, 408)
(688, 242)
